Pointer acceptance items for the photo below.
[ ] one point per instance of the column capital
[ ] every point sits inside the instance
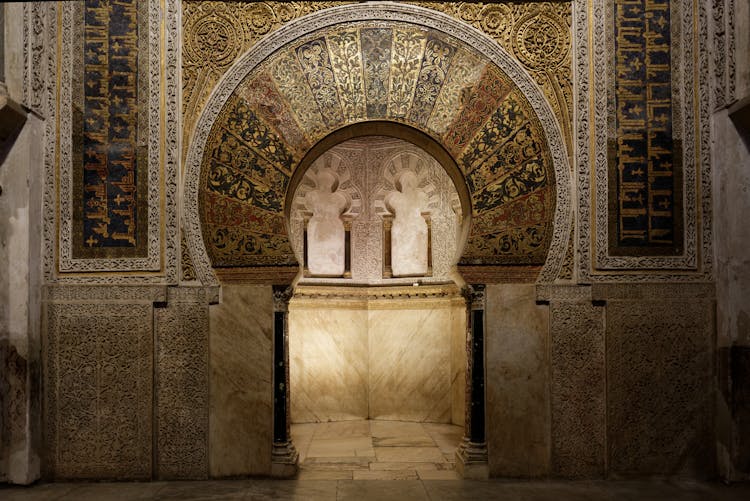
(281, 296)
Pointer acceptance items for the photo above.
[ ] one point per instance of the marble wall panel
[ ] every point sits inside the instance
(98, 398)
(240, 382)
(458, 362)
(328, 356)
(517, 382)
(577, 386)
(410, 377)
(182, 390)
(20, 279)
(659, 386)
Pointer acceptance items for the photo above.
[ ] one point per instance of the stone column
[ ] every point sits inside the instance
(471, 455)
(283, 455)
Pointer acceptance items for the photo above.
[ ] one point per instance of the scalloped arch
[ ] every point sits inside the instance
(376, 62)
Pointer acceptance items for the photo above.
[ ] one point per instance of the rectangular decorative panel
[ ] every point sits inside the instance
(645, 159)
(109, 163)
(98, 391)
(182, 390)
(659, 376)
(644, 177)
(577, 389)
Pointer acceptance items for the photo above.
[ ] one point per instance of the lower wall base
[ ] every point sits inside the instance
(125, 367)
(372, 356)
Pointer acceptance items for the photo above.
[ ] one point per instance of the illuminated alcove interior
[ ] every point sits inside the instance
(369, 339)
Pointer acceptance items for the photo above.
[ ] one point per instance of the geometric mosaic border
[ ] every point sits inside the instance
(72, 33)
(386, 12)
(56, 60)
(594, 49)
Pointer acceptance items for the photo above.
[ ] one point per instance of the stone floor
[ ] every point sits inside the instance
(379, 460)
(390, 490)
(376, 450)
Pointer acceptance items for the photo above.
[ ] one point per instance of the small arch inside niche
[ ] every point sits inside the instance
(393, 216)
(370, 162)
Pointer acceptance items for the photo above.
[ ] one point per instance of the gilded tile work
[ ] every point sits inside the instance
(217, 33)
(358, 71)
(645, 157)
(109, 162)
(538, 34)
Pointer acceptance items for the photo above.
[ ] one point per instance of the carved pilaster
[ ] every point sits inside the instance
(284, 456)
(471, 455)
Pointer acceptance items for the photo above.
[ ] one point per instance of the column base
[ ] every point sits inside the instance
(284, 458)
(471, 461)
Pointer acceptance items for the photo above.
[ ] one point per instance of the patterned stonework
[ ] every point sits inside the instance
(478, 113)
(109, 157)
(98, 381)
(182, 387)
(537, 33)
(577, 387)
(367, 170)
(216, 34)
(594, 25)
(659, 375)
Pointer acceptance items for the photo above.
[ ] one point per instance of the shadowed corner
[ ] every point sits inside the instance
(12, 118)
(739, 113)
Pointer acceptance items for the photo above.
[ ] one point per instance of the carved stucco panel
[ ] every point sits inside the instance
(98, 379)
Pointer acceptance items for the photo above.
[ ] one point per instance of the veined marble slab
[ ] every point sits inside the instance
(241, 400)
(516, 347)
(410, 365)
(328, 364)
(365, 353)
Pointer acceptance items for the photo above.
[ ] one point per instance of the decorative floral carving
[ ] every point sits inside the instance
(98, 390)
(401, 16)
(182, 388)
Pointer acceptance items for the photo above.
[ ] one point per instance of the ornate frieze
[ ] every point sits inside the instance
(98, 380)
(106, 168)
(594, 26)
(509, 160)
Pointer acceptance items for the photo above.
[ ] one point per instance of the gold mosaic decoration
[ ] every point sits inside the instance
(538, 34)
(217, 33)
(359, 71)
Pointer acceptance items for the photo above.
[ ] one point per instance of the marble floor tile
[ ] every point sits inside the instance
(383, 429)
(304, 429)
(337, 463)
(40, 492)
(444, 432)
(342, 429)
(194, 491)
(471, 490)
(399, 434)
(378, 490)
(438, 474)
(302, 490)
(324, 475)
(379, 466)
(338, 447)
(385, 475)
(117, 490)
(409, 454)
(312, 486)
